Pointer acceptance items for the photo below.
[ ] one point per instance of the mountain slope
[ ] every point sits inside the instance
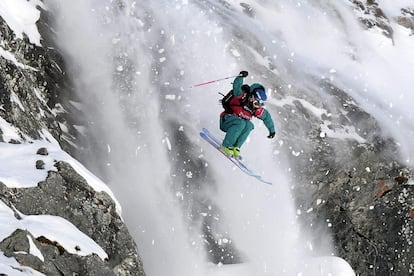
(109, 82)
(56, 217)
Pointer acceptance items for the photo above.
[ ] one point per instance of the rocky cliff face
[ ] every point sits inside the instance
(66, 194)
(36, 103)
(351, 178)
(355, 187)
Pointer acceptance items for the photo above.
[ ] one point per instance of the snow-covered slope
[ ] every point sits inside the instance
(56, 217)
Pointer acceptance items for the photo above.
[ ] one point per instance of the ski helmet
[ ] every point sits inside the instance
(260, 95)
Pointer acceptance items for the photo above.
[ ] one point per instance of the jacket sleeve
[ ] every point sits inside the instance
(268, 121)
(237, 84)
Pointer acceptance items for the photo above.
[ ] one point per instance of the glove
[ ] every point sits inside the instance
(271, 135)
(243, 74)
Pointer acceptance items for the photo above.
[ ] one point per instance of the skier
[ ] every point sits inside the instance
(246, 101)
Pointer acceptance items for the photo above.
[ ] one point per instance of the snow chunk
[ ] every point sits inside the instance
(235, 53)
(167, 141)
(170, 97)
(179, 195)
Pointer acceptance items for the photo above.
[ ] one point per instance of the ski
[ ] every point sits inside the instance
(216, 143)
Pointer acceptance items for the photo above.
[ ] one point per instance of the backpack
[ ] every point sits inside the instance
(225, 101)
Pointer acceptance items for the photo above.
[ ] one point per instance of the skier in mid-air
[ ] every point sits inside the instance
(241, 104)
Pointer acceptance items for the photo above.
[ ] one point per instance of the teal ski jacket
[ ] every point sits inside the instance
(243, 111)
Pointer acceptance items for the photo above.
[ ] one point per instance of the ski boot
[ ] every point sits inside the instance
(227, 151)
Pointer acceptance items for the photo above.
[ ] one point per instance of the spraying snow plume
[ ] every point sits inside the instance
(113, 70)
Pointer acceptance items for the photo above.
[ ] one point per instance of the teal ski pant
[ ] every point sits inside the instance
(237, 130)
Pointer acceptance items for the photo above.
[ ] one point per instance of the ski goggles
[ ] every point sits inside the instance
(260, 98)
(257, 104)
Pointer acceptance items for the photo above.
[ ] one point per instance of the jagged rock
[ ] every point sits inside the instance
(42, 151)
(248, 9)
(371, 15)
(39, 88)
(16, 242)
(365, 205)
(17, 245)
(40, 165)
(126, 268)
(354, 219)
(66, 194)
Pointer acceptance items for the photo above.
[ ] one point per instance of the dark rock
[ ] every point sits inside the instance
(40, 165)
(42, 151)
(371, 15)
(16, 242)
(247, 9)
(66, 194)
(17, 245)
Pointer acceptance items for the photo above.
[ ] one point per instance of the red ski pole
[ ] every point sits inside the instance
(212, 81)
